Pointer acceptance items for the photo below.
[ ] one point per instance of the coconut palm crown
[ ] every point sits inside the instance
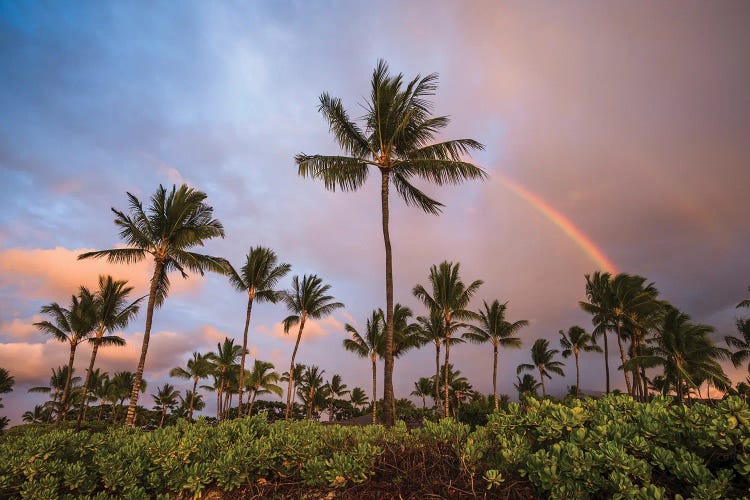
(396, 138)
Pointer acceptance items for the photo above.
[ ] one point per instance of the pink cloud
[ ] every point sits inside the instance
(20, 327)
(314, 329)
(55, 273)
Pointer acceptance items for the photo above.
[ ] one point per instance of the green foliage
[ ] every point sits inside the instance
(608, 448)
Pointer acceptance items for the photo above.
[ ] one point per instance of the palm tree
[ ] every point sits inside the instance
(572, 343)
(112, 313)
(368, 346)
(358, 397)
(458, 386)
(396, 140)
(495, 329)
(224, 362)
(741, 344)
(176, 222)
(423, 388)
(39, 415)
(542, 359)
(72, 325)
(262, 380)
(299, 369)
(310, 384)
(432, 330)
(450, 298)
(526, 386)
(198, 368)
(257, 277)
(57, 382)
(335, 389)
(307, 299)
(120, 389)
(96, 379)
(190, 402)
(166, 396)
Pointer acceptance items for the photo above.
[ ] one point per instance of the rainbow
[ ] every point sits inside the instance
(558, 219)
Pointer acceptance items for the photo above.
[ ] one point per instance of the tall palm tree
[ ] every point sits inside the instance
(224, 362)
(112, 312)
(575, 341)
(72, 325)
(495, 329)
(262, 380)
(166, 396)
(308, 298)
(198, 368)
(257, 277)
(543, 360)
(358, 397)
(174, 222)
(397, 140)
(450, 298)
(423, 388)
(741, 344)
(527, 385)
(368, 346)
(310, 384)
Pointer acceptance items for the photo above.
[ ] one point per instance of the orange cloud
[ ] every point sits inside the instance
(20, 327)
(313, 329)
(55, 273)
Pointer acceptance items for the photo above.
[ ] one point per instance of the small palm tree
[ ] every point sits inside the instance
(450, 298)
(358, 397)
(335, 389)
(495, 329)
(575, 341)
(310, 384)
(368, 346)
(526, 386)
(120, 390)
(308, 298)
(198, 368)
(423, 388)
(166, 397)
(174, 223)
(112, 313)
(39, 415)
(397, 140)
(224, 362)
(258, 277)
(740, 344)
(542, 359)
(431, 329)
(72, 325)
(296, 374)
(262, 380)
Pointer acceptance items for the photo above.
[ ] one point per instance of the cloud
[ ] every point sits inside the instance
(314, 329)
(56, 273)
(20, 328)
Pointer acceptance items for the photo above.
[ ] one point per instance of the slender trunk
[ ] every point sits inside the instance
(644, 380)
(310, 395)
(541, 379)
(389, 402)
(101, 410)
(424, 402)
(494, 376)
(220, 399)
(250, 297)
(163, 414)
(229, 402)
(192, 398)
(636, 374)
(624, 360)
(84, 403)
(606, 359)
(437, 376)
(218, 403)
(374, 359)
(446, 401)
(66, 391)
(134, 393)
(252, 402)
(578, 376)
(291, 366)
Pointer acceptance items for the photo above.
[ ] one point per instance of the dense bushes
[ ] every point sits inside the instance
(612, 447)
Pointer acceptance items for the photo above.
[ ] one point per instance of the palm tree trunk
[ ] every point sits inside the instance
(424, 402)
(606, 358)
(578, 378)
(494, 376)
(447, 357)
(84, 403)
(437, 376)
(192, 398)
(291, 367)
(250, 297)
(541, 379)
(218, 402)
(66, 391)
(645, 384)
(310, 403)
(163, 414)
(130, 420)
(374, 359)
(252, 402)
(389, 402)
(101, 410)
(624, 360)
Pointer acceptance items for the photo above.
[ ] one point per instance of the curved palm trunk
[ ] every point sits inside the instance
(541, 379)
(291, 367)
(624, 360)
(606, 359)
(192, 398)
(424, 402)
(494, 376)
(252, 402)
(84, 403)
(130, 420)
(578, 376)
(437, 376)
(163, 414)
(373, 358)
(101, 410)
(66, 391)
(389, 402)
(250, 297)
(446, 401)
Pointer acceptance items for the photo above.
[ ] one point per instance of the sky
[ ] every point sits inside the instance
(615, 133)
